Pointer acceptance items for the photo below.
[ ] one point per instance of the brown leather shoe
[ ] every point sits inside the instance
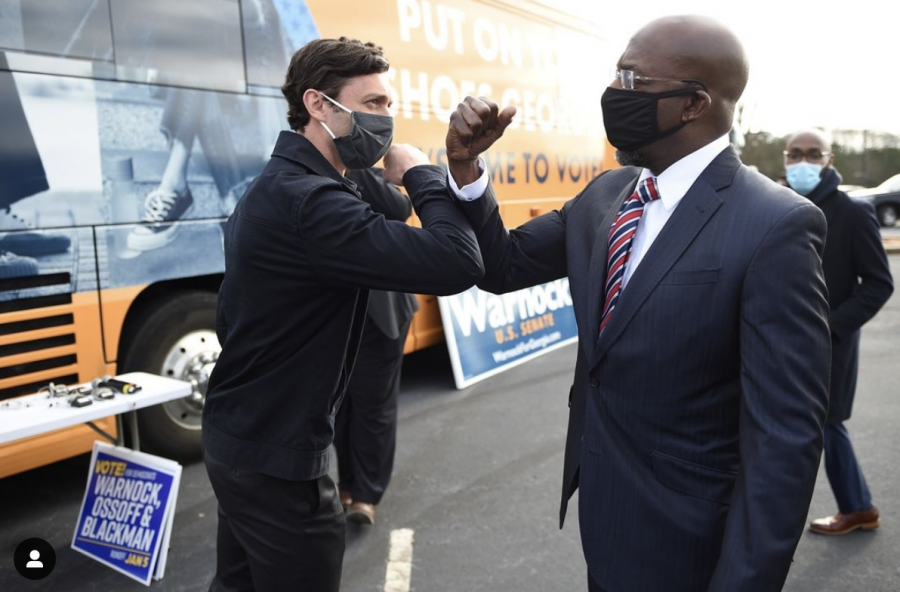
(361, 513)
(844, 523)
(346, 499)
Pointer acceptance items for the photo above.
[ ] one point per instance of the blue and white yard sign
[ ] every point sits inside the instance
(126, 516)
(487, 334)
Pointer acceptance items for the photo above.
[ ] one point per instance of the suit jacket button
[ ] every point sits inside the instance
(594, 382)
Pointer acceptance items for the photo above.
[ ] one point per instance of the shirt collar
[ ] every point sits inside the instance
(297, 148)
(675, 181)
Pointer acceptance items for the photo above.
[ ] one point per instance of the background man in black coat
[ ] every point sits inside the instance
(365, 430)
(859, 283)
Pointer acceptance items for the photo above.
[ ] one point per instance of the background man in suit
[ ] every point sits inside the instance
(365, 431)
(301, 251)
(701, 379)
(859, 283)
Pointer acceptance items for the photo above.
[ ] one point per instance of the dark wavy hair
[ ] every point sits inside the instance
(326, 65)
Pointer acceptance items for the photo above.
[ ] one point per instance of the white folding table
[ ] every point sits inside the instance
(34, 415)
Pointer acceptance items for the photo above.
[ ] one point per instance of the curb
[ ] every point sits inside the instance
(891, 245)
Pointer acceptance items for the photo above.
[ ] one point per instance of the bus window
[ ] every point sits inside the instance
(272, 32)
(192, 43)
(74, 29)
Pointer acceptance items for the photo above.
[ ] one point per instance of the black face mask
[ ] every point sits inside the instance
(369, 138)
(630, 116)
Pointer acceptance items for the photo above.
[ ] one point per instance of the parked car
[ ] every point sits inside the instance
(885, 198)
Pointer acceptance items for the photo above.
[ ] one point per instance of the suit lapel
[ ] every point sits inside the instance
(689, 217)
(597, 267)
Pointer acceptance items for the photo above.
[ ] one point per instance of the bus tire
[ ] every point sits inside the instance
(176, 338)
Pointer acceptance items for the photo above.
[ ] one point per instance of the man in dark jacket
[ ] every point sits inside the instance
(859, 283)
(301, 252)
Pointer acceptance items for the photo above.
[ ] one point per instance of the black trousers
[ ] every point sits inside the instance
(276, 535)
(365, 431)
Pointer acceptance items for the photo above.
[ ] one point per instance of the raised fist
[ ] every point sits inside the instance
(475, 126)
(399, 159)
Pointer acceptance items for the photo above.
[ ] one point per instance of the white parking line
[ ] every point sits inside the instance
(399, 567)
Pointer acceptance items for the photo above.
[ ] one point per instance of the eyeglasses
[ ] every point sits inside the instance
(813, 155)
(627, 78)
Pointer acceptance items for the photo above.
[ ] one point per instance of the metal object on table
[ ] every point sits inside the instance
(43, 412)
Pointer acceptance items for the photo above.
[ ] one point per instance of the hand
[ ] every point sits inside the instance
(399, 159)
(474, 127)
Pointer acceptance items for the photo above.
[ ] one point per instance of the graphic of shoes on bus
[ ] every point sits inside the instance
(29, 243)
(160, 209)
(14, 266)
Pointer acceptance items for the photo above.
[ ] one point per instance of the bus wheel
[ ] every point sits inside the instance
(177, 339)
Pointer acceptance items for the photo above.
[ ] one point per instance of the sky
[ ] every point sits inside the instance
(811, 64)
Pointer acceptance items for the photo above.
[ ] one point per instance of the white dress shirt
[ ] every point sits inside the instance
(673, 184)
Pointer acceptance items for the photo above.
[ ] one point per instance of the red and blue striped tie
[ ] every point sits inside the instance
(621, 236)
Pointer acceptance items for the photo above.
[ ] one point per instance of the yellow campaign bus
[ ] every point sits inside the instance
(130, 130)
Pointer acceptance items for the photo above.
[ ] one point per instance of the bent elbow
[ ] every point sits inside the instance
(494, 285)
(472, 268)
(467, 273)
(471, 272)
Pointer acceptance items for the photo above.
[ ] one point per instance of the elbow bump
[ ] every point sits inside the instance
(473, 266)
(468, 274)
(473, 272)
(494, 285)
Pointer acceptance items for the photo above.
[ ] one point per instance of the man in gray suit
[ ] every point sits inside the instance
(701, 380)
